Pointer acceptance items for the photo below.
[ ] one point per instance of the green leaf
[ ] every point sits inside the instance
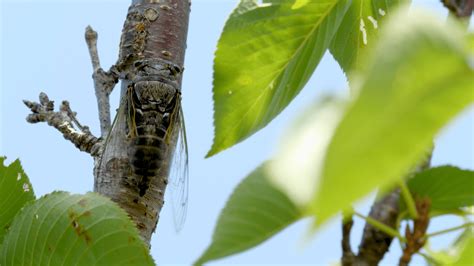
(459, 253)
(296, 169)
(470, 39)
(256, 211)
(64, 229)
(417, 79)
(15, 192)
(448, 187)
(467, 254)
(264, 57)
(359, 30)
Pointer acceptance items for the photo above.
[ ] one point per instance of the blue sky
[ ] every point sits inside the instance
(43, 49)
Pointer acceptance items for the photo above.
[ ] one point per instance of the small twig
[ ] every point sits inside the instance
(375, 243)
(64, 121)
(348, 257)
(104, 82)
(65, 107)
(416, 238)
(449, 230)
(91, 40)
(408, 198)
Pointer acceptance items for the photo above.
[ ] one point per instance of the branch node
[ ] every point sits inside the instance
(64, 121)
(104, 82)
(416, 238)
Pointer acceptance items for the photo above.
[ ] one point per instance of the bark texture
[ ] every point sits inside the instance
(375, 243)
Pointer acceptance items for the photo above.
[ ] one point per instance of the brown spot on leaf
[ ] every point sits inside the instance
(78, 228)
(83, 202)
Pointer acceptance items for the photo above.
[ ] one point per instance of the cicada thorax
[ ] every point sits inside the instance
(153, 112)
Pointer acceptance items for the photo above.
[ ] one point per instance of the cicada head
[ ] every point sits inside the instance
(154, 95)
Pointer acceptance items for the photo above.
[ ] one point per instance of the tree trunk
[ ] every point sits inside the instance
(153, 38)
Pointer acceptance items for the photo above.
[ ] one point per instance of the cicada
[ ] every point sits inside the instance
(148, 134)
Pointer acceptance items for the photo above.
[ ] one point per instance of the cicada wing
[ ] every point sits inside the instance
(116, 138)
(178, 181)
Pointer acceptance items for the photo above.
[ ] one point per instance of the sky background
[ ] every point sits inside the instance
(43, 49)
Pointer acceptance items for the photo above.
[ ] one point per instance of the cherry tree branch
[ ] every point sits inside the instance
(64, 121)
(104, 82)
(375, 243)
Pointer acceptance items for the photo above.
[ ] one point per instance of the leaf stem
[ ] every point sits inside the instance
(382, 227)
(398, 223)
(450, 229)
(428, 258)
(408, 198)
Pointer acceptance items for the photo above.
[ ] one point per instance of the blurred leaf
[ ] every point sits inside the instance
(417, 79)
(360, 29)
(255, 212)
(264, 57)
(467, 254)
(457, 254)
(15, 192)
(296, 169)
(64, 229)
(448, 187)
(470, 38)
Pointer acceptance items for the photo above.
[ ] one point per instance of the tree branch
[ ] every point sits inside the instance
(64, 121)
(348, 257)
(375, 243)
(104, 82)
(460, 8)
(416, 237)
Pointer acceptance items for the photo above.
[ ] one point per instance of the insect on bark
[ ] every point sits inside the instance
(147, 139)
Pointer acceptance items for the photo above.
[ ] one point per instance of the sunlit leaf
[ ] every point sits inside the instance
(64, 229)
(255, 212)
(264, 57)
(359, 30)
(460, 252)
(297, 166)
(15, 192)
(448, 187)
(416, 80)
(466, 256)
